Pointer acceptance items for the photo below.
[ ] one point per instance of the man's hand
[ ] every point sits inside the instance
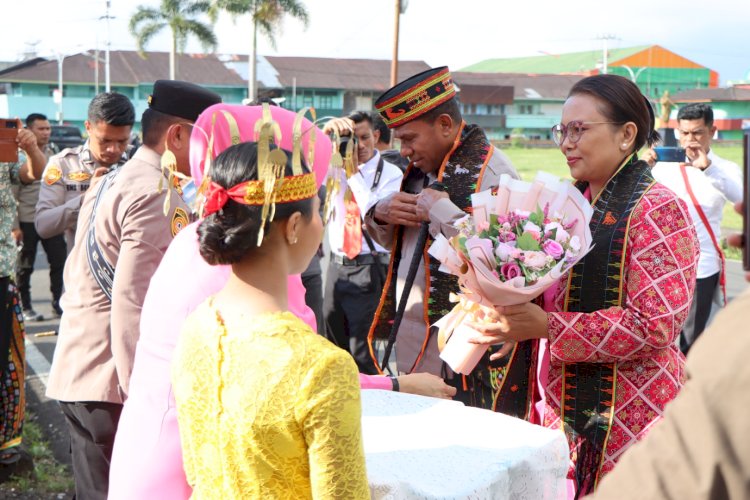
(17, 236)
(399, 208)
(649, 156)
(26, 140)
(100, 171)
(426, 384)
(342, 126)
(426, 199)
(697, 155)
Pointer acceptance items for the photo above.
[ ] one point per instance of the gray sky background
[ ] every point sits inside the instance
(457, 33)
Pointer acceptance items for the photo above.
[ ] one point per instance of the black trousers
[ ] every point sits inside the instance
(313, 284)
(56, 251)
(700, 311)
(351, 297)
(92, 427)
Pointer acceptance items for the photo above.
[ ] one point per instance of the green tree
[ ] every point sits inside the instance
(266, 16)
(180, 17)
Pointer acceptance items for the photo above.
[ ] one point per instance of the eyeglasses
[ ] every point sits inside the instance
(573, 131)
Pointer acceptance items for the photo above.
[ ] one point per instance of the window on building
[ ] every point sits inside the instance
(325, 101)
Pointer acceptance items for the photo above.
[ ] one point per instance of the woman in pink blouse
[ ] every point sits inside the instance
(609, 362)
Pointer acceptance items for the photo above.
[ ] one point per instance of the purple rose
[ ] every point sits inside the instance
(553, 249)
(510, 270)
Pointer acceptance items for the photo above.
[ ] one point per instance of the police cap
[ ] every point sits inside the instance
(184, 99)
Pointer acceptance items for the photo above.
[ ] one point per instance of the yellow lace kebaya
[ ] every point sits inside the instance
(267, 409)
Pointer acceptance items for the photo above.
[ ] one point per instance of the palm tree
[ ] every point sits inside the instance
(266, 15)
(179, 15)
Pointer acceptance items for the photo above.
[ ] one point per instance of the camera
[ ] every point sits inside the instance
(344, 141)
(670, 154)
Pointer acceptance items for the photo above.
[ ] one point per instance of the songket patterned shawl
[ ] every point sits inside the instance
(461, 172)
(12, 370)
(596, 283)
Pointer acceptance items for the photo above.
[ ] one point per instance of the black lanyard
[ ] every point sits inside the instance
(378, 173)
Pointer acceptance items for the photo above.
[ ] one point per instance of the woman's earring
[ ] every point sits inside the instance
(294, 241)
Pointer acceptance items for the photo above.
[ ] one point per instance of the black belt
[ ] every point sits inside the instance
(366, 259)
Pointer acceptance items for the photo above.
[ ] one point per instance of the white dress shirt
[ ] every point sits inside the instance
(713, 187)
(365, 196)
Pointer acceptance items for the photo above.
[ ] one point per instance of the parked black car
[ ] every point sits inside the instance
(66, 136)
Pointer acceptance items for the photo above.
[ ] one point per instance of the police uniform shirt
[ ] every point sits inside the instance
(96, 344)
(65, 179)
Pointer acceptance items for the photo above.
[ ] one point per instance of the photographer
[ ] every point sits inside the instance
(358, 265)
(705, 182)
(27, 196)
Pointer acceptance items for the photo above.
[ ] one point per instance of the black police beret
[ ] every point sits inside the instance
(184, 99)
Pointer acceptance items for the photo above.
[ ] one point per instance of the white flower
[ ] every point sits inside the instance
(530, 226)
(575, 245)
(503, 251)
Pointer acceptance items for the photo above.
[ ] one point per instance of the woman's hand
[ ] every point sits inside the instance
(510, 324)
(425, 384)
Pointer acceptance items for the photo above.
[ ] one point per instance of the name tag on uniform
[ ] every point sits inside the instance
(76, 187)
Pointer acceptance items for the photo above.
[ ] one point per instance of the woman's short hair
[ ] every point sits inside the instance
(226, 236)
(623, 102)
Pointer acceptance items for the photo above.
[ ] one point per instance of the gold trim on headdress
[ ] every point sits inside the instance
(346, 164)
(271, 186)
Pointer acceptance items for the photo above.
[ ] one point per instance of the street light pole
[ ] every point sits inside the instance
(60, 59)
(605, 55)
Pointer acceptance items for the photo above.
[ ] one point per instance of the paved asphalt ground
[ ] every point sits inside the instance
(40, 348)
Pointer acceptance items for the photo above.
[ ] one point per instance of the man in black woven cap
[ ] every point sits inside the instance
(424, 114)
(127, 220)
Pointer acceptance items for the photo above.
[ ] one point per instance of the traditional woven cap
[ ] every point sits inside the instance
(415, 96)
(184, 99)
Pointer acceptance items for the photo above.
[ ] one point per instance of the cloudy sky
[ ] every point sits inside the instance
(453, 32)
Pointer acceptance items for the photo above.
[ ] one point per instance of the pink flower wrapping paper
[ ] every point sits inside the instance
(508, 269)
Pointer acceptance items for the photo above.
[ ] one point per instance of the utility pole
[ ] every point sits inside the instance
(107, 86)
(605, 38)
(394, 60)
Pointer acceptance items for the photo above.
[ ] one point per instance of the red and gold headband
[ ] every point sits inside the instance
(252, 193)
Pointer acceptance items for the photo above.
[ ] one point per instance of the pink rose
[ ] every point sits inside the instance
(483, 226)
(535, 260)
(553, 249)
(510, 270)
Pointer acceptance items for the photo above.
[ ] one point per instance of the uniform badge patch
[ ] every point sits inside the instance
(52, 175)
(79, 176)
(179, 221)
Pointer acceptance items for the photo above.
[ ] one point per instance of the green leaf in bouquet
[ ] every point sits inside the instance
(537, 217)
(527, 242)
(462, 245)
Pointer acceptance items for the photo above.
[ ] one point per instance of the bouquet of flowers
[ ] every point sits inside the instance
(515, 245)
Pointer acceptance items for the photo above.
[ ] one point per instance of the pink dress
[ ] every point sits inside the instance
(147, 456)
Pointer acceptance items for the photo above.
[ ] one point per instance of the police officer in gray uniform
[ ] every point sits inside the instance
(69, 173)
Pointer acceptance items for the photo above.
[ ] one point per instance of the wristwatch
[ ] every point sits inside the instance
(394, 381)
